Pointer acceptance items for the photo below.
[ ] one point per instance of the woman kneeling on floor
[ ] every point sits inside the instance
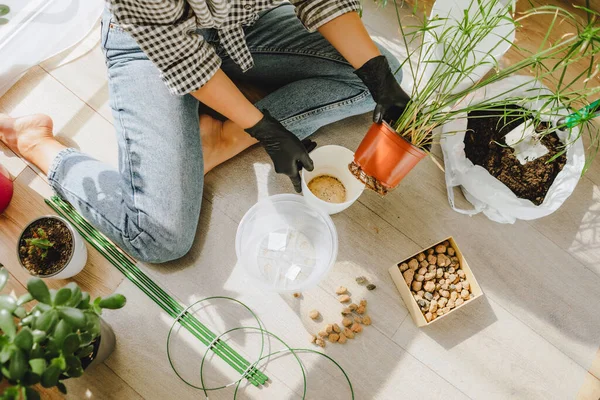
(164, 58)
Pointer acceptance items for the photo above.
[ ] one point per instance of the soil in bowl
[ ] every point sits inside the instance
(40, 261)
(485, 146)
(328, 188)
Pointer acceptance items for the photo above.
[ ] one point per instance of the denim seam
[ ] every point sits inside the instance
(312, 53)
(55, 163)
(327, 107)
(126, 155)
(57, 187)
(90, 208)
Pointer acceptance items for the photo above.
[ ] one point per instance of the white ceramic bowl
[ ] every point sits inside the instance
(332, 160)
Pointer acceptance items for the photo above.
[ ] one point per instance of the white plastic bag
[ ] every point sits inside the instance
(488, 194)
(36, 30)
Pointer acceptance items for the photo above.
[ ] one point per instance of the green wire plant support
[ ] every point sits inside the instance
(169, 304)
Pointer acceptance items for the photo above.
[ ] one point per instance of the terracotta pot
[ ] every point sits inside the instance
(383, 158)
(6, 189)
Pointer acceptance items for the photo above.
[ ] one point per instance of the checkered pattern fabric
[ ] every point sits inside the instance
(166, 31)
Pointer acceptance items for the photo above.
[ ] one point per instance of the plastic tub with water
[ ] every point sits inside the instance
(285, 245)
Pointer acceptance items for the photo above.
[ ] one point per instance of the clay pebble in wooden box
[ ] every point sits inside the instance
(436, 281)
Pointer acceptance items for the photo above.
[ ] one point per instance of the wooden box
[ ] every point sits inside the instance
(410, 301)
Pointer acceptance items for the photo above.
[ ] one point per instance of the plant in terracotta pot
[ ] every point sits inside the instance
(49, 247)
(56, 339)
(444, 53)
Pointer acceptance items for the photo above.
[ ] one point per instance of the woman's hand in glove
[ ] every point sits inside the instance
(390, 98)
(288, 153)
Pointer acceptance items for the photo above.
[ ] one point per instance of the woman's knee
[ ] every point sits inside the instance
(148, 249)
(160, 242)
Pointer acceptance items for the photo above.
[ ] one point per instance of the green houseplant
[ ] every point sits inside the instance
(49, 335)
(442, 55)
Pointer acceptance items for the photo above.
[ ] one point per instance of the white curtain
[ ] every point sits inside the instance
(35, 30)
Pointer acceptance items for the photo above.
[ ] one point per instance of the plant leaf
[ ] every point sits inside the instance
(24, 339)
(84, 304)
(74, 316)
(75, 294)
(113, 302)
(5, 372)
(62, 296)
(8, 303)
(38, 365)
(61, 386)
(59, 362)
(50, 376)
(28, 320)
(63, 328)
(38, 335)
(71, 343)
(42, 307)
(3, 277)
(31, 394)
(17, 365)
(76, 372)
(11, 393)
(86, 351)
(39, 290)
(93, 324)
(85, 338)
(73, 362)
(7, 324)
(30, 378)
(37, 352)
(5, 354)
(20, 312)
(46, 320)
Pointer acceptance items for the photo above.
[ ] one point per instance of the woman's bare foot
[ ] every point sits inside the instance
(31, 137)
(221, 141)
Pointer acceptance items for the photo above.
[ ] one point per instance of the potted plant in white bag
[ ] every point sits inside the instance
(441, 59)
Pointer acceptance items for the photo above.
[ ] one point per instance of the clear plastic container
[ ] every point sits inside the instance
(286, 245)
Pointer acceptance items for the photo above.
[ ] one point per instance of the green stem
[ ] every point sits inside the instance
(152, 290)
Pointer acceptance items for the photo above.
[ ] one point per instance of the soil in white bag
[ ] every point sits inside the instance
(485, 145)
(487, 171)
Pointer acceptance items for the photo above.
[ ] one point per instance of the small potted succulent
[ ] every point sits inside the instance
(6, 189)
(49, 247)
(58, 338)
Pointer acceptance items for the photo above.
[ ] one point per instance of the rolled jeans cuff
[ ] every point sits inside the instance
(54, 173)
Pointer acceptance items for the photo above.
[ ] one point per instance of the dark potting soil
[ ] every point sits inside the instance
(57, 256)
(485, 146)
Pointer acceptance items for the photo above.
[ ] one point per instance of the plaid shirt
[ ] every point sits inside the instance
(166, 31)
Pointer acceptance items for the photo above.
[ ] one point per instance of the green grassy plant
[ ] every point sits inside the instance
(441, 55)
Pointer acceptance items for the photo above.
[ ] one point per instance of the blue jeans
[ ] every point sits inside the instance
(150, 206)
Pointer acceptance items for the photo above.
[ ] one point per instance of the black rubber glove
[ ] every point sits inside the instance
(390, 98)
(288, 153)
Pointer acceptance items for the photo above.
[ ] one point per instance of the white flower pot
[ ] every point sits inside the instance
(106, 346)
(78, 257)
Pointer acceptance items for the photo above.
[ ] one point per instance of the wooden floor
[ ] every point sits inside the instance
(534, 335)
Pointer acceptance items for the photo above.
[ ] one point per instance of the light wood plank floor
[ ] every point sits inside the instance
(535, 334)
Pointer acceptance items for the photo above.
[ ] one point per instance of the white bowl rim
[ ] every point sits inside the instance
(345, 203)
